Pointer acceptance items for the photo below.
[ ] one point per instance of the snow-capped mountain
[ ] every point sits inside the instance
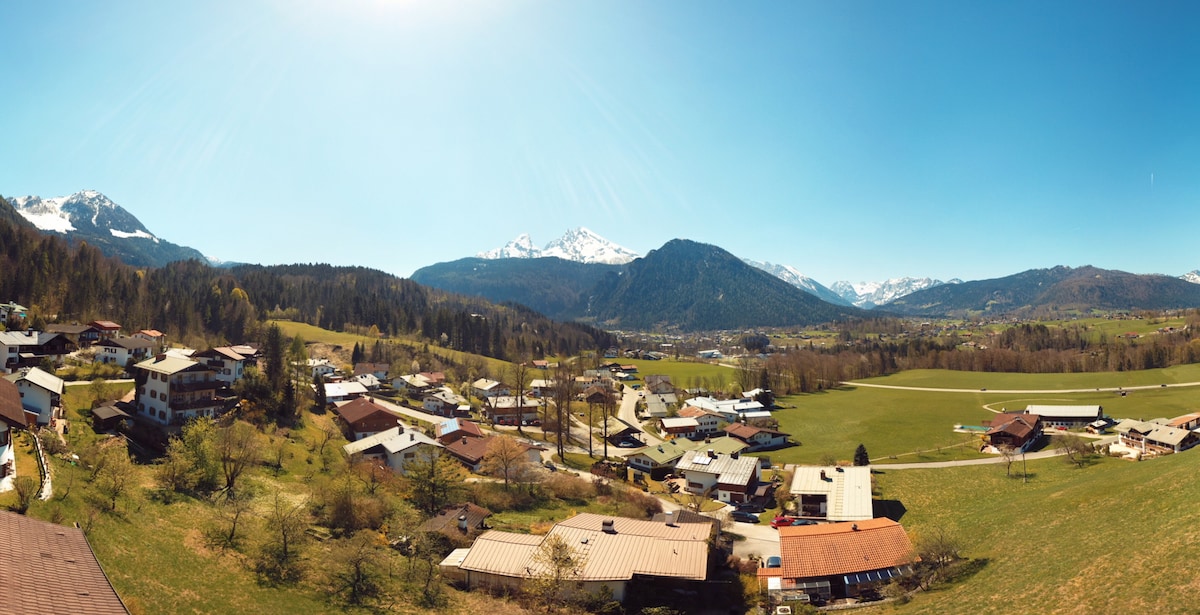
(580, 245)
(873, 294)
(792, 276)
(92, 217)
(1192, 276)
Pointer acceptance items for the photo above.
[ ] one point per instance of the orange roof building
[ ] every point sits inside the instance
(841, 559)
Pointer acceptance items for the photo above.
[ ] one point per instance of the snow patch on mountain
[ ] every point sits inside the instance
(124, 235)
(1192, 276)
(45, 214)
(873, 294)
(792, 276)
(579, 244)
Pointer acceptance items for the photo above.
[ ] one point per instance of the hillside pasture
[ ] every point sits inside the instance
(1113, 537)
(685, 374)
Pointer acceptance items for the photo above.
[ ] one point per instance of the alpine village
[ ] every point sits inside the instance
(678, 432)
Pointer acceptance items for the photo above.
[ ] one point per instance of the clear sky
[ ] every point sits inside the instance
(853, 140)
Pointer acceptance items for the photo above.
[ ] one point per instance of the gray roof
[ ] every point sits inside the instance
(167, 364)
(46, 380)
(729, 470)
(1075, 412)
(393, 441)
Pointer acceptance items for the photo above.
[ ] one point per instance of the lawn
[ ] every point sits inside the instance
(686, 374)
(1114, 537)
(973, 381)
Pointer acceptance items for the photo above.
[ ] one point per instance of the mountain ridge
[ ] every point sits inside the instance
(579, 244)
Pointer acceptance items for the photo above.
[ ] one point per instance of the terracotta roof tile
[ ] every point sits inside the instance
(11, 411)
(837, 548)
(360, 408)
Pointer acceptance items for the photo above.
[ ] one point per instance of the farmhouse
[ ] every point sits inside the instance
(839, 559)
(657, 460)
(1066, 417)
(611, 551)
(510, 408)
(484, 387)
(121, 350)
(171, 390)
(228, 364)
(679, 426)
(1014, 431)
(832, 493)
(707, 422)
(1155, 437)
(728, 478)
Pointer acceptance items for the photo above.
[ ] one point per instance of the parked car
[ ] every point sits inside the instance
(751, 507)
(782, 521)
(743, 516)
(628, 443)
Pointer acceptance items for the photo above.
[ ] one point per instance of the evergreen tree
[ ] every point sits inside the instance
(318, 393)
(273, 357)
(356, 355)
(860, 456)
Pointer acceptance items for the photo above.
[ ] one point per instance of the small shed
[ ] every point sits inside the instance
(107, 417)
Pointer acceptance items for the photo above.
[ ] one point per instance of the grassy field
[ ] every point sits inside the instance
(686, 374)
(898, 422)
(1114, 537)
(948, 379)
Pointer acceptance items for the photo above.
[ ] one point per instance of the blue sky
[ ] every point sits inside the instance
(853, 140)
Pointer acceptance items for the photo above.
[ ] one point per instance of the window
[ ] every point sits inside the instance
(153, 394)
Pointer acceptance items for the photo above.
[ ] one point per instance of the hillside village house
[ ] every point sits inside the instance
(679, 426)
(12, 343)
(369, 381)
(541, 387)
(122, 350)
(838, 560)
(732, 479)
(454, 429)
(732, 410)
(379, 370)
(484, 388)
(444, 402)
(395, 447)
(154, 336)
(80, 336)
(458, 522)
(320, 367)
(707, 423)
(510, 408)
(12, 417)
(414, 385)
(170, 390)
(757, 438)
(1066, 417)
(613, 550)
(1014, 431)
(228, 364)
(40, 392)
(829, 493)
(342, 391)
(106, 329)
(12, 310)
(658, 384)
(362, 418)
(658, 460)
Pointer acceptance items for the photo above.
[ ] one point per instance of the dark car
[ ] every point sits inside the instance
(752, 507)
(743, 516)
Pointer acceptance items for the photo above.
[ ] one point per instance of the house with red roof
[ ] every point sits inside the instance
(1017, 431)
(838, 560)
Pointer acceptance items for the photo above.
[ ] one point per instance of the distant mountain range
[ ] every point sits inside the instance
(92, 217)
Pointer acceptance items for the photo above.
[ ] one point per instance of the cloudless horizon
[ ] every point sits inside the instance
(852, 141)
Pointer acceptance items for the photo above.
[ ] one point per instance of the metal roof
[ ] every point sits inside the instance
(847, 490)
(1078, 412)
(167, 364)
(729, 470)
(44, 379)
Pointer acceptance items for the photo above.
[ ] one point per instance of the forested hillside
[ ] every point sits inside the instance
(191, 300)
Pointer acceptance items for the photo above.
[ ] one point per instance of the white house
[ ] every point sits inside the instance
(708, 423)
(396, 447)
(228, 364)
(342, 391)
(832, 493)
(728, 478)
(122, 350)
(10, 348)
(320, 367)
(41, 393)
(172, 390)
(485, 387)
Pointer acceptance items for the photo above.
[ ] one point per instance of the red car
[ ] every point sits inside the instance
(781, 521)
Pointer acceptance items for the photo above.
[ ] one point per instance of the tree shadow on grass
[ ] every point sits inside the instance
(964, 570)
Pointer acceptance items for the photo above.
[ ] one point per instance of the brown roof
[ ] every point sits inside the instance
(470, 450)
(1019, 425)
(11, 411)
(447, 520)
(1183, 420)
(838, 548)
(48, 568)
(694, 412)
(68, 329)
(106, 325)
(743, 431)
(453, 429)
(361, 408)
(370, 368)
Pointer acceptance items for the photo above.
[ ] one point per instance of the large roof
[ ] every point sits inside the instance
(167, 364)
(848, 490)
(344, 389)
(1075, 412)
(48, 568)
(633, 547)
(44, 379)
(391, 440)
(1019, 425)
(455, 425)
(128, 343)
(843, 548)
(743, 431)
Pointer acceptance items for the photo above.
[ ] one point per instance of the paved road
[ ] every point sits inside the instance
(1018, 391)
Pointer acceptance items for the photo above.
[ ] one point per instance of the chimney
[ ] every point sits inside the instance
(607, 526)
(160, 356)
(412, 437)
(670, 515)
(823, 475)
(712, 453)
(854, 527)
(464, 440)
(462, 523)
